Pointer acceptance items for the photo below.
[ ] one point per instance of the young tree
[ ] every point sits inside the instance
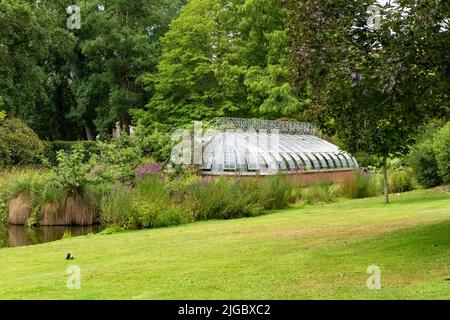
(374, 82)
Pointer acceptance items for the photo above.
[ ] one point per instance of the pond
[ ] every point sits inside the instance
(19, 236)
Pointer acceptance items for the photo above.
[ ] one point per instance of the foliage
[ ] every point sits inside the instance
(19, 145)
(359, 186)
(155, 202)
(36, 58)
(3, 203)
(423, 163)
(71, 84)
(441, 148)
(317, 193)
(52, 147)
(401, 181)
(117, 209)
(72, 171)
(429, 158)
(117, 44)
(118, 159)
(373, 87)
(44, 190)
(223, 58)
(226, 198)
(154, 141)
(223, 199)
(31, 184)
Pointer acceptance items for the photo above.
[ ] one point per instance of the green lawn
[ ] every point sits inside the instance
(314, 252)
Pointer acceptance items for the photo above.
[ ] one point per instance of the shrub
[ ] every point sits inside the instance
(2, 116)
(118, 159)
(156, 202)
(155, 142)
(159, 214)
(52, 148)
(400, 181)
(423, 163)
(358, 186)
(19, 145)
(441, 148)
(3, 206)
(72, 171)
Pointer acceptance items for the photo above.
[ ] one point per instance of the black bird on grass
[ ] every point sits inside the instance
(69, 256)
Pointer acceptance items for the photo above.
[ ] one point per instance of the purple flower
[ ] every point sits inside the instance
(150, 169)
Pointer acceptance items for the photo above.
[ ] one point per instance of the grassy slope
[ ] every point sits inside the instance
(311, 252)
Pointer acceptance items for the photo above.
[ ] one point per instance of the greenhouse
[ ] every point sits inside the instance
(262, 147)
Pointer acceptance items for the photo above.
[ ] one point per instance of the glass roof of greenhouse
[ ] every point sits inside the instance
(269, 147)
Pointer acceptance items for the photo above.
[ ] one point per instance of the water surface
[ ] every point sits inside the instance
(19, 236)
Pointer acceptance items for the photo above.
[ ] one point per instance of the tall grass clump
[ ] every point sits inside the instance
(117, 209)
(152, 200)
(274, 192)
(23, 195)
(227, 198)
(359, 186)
(3, 200)
(317, 193)
(156, 202)
(148, 205)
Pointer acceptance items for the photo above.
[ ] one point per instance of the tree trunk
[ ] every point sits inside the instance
(386, 187)
(89, 133)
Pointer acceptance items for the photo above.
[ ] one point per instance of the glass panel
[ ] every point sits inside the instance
(329, 160)
(343, 161)
(291, 166)
(257, 152)
(349, 159)
(337, 162)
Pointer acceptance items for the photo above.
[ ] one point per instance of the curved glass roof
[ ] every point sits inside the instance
(268, 153)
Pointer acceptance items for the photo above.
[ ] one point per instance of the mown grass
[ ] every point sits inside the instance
(313, 252)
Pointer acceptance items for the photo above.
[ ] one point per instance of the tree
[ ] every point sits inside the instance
(223, 58)
(373, 84)
(119, 41)
(35, 54)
